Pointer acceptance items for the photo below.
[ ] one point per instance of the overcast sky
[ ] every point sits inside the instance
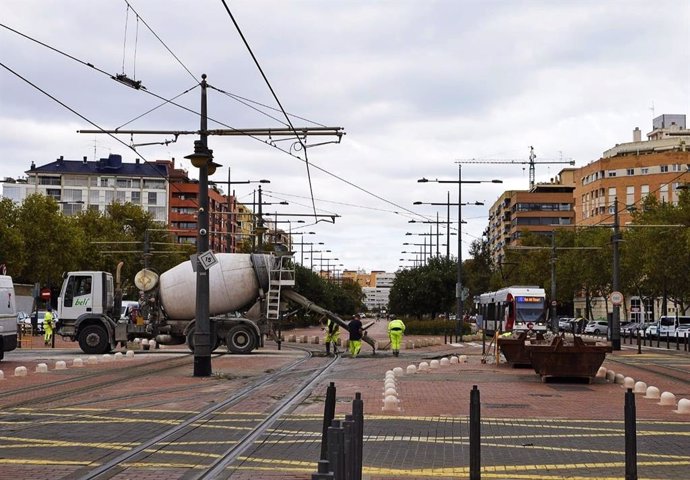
(416, 85)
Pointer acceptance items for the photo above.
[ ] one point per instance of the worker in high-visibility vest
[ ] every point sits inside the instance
(332, 336)
(48, 326)
(396, 329)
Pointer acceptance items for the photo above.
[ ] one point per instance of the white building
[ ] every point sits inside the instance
(79, 184)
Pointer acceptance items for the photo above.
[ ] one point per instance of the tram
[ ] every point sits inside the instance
(516, 308)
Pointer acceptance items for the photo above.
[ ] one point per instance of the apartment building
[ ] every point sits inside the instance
(547, 206)
(376, 286)
(631, 171)
(80, 184)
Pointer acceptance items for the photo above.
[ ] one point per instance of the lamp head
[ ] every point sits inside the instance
(422, 180)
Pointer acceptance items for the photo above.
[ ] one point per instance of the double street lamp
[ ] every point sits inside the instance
(459, 293)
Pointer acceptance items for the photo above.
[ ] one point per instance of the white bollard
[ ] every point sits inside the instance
(152, 344)
(2, 375)
(619, 378)
(390, 391)
(130, 354)
(683, 406)
(42, 368)
(106, 357)
(640, 387)
(453, 360)
(292, 338)
(601, 373)
(445, 362)
(77, 362)
(462, 359)
(20, 372)
(390, 372)
(118, 356)
(60, 365)
(667, 398)
(145, 344)
(92, 360)
(389, 384)
(423, 367)
(434, 364)
(390, 403)
(652, 393)
(610, 375)
(628, 382)
(411, 369)
(398, 371)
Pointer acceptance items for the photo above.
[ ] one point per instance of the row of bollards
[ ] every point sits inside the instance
(641, 341)
(22, 371)
(342, 442)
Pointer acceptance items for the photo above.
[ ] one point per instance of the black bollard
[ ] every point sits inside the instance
(639, 342)
(348, 447)
(328, 415)
(358, 436)
(336, 450)
(630, 437)
(323, 472)
(475, 435)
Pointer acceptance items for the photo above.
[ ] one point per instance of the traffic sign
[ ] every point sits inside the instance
(554, 303)
(207, 259)
(45, 294)
(617, 298)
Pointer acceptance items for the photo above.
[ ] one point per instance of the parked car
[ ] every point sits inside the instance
(565, 325)
(652, 330)
(597, 327)
(683, 331)
(632, 328)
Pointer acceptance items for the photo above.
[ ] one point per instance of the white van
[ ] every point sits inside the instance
(669, 324)
(8, 316)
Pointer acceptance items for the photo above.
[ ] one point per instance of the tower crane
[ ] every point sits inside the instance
(531, 163)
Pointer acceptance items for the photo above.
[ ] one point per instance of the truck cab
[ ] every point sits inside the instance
(86, 309)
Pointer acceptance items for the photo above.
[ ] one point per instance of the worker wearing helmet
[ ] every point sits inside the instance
(396, 329)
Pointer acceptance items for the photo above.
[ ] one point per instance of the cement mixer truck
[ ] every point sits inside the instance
(247, 293)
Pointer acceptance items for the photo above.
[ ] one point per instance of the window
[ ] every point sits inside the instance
(152, 198)
(54, 193)
(71, 195)
(644, 191)
(154, 184)
(644, 171)
(120, 196)
(663, 192)
(611, 173)
(664, 168)
(136, 198)
(630, 171)
(109, 195)
(94, 197)
(107, 182)
(42, 180)
(675, 167)
(630, 196)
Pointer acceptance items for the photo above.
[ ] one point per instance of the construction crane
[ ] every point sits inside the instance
(531, 163)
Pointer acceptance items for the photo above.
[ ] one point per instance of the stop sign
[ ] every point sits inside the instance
(45, 294)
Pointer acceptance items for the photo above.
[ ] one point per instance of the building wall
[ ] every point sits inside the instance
(630, 177)
(541, 210)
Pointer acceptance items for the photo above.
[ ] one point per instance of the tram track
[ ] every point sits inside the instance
(292, 381)
(40, 394)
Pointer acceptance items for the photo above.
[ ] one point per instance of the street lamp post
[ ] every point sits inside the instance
(459, 293)
(202, 158)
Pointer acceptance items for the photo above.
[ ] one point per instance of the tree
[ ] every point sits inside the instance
(12, 252)
(53, 240)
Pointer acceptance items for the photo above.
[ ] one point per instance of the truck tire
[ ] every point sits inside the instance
(241, 339)
(93, 339)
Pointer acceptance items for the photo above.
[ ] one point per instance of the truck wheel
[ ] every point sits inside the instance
(93, 339)
(240, 339)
